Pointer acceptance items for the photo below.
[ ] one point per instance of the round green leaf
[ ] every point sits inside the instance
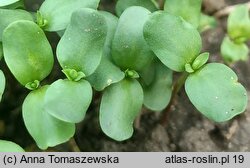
(121, 5)
(129, 49)
(2, 84)
(106, 73)
(215, 92)
(81, 46)
(46, 130)
(7, 146)
(189, 10)
(174, 41)
(239, 24)
(27, 52)
(68, 100)
(8, 16)
(121, 103)
(57, 13)
(7, 2)
(232, 52)
(157, 95)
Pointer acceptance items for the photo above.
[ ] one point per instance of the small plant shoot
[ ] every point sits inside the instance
(196, 87)
(115, 65)
(234, 47)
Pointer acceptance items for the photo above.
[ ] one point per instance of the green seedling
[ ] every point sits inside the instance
(180, 52)
(129, 59)
(233, 47)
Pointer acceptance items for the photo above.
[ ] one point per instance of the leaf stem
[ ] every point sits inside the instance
(177, 86)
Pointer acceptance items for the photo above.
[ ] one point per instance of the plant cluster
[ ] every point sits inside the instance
(130, 58)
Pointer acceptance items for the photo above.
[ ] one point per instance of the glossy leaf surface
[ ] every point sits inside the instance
(58, 13)
(2, 84)
(8, 146)
(121, 103)
(157, 95)
(239, 24)
(129, 49)
(189, 10)
(215, 92)
(107, 73)
(8, 16)
(174, 41)
(68, 100)
(121, 5)
(45, 129)
(81, 46)
(232, 52)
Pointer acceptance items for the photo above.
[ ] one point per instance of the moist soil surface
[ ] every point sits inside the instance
(185, 129)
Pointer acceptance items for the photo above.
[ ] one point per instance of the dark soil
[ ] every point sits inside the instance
(186, 130)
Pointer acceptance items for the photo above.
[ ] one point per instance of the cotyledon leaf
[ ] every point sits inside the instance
(45, 129)
(120, 104)
(1, 51)
(106, 73)
(129, 49)
(68, 100)
(58, 13)
(189, 10)
(157, 95)
(239, 24)
(27, 52)
(87, 29)
(2, 84)
(121, 5)
(232, 52)
(17, 5)
(174, 41)
(7, 2)
(215, 92)
(8, 16)
(8, 146)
